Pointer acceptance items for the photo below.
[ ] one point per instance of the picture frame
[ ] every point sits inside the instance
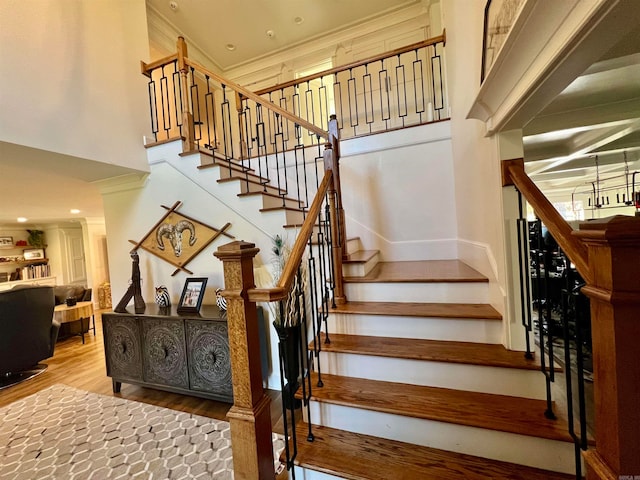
(33, 254)
(6, 242)
(192, 295)
(499, 16)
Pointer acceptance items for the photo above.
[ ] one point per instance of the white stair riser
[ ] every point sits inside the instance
(353, 245)
(474, 378)
(462, 292)
(289, 216)
(307, 474)
(509, 447)
(360, 269)
(274, 202)
(454, 329)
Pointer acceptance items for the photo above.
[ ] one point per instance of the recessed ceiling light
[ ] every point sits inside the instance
(270, 33)
(298, 20)
(75, 211)
(22, 219)
(230, 46)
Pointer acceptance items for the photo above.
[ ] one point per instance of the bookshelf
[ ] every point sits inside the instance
(14, 266)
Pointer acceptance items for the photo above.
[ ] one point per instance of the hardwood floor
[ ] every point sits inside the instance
(83, 367)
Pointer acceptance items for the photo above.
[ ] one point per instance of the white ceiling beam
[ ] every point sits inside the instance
(584, 117)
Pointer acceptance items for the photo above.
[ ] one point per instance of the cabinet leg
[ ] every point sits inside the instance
(116, 386)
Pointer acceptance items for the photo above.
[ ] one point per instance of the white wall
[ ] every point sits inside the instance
(70, 79)
(398, 193)
(476, 166)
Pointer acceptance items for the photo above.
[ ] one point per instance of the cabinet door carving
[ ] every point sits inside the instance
(165, 360)
(209, 360)
(123, 352)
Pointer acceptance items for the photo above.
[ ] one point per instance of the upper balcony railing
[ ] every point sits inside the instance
(400, 88)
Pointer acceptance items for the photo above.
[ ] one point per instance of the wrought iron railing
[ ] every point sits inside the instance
(562, 322)
(396, 89)
(550, 287)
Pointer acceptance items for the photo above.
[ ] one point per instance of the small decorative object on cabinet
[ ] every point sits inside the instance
(162, 297)
(220, 300)
(6, 242)
(171, 351)
(134, 291)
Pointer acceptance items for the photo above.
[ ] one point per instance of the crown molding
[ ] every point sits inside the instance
(327, 42)
(122, 183)
(164, 35)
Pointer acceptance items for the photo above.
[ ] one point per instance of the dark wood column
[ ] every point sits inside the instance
(250, 417)
(614, 290)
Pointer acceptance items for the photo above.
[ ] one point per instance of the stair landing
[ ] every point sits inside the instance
(422, 271)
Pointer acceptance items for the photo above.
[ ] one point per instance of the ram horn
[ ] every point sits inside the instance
(186, 225)
(164, 230)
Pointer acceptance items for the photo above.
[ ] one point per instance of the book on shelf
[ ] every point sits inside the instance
(36, 271)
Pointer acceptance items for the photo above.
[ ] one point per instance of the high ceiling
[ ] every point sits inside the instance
(220, 25)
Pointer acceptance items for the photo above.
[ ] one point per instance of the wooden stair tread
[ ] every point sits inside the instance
(485, 354)
(275, 209)
(362, 457)
(504, 413)
(361, 256)
(421, 271)
(413, 309)
(268, 194)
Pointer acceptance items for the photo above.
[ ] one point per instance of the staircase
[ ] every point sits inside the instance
(417, 384)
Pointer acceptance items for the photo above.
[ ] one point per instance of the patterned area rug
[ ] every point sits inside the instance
(65, 433)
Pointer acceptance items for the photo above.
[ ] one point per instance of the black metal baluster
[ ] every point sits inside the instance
(401, 88)
(209, 111)
(177, 94)
(543, 366)
(304, 356)
(164, 103)
(153, 106)
(352, 92)
(226, 129)
(195, 108)
(418, 92)
(385, 85)
(368, 98)
(438, 100)
(522, 227)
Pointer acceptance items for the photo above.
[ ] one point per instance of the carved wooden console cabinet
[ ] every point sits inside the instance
(183, 353)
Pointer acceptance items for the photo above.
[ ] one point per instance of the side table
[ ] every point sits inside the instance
(78, 312)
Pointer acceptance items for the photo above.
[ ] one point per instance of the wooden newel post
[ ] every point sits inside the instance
(188, 131)
(250, 416)
(614, 260)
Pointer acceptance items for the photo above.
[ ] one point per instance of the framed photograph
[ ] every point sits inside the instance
(33, 254)
(192, 294)
(6, 242)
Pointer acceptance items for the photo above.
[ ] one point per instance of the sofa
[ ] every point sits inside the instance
(28, 332)
(79, 292)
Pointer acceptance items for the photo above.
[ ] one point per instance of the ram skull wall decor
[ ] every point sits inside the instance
(177, 238)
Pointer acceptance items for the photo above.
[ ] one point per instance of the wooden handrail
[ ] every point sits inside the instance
(513, 173)
(259, 100)
(290, 270)
(398, 51)
(147, 68)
